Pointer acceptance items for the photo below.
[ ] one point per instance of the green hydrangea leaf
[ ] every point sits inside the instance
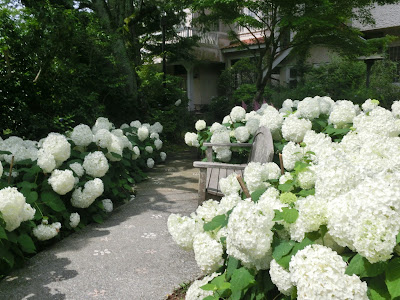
(217, 221)
(7, 256)
(393, 277)
(305, 193)
(97, 218)
(53, 200)
(3, 234)
(290, 215)
(241, 280)
(26, 243)
(282, 249)
(233, 264)
(362, 267)
(377, 289)
(398, 238)
(209, 287)
(255, 196)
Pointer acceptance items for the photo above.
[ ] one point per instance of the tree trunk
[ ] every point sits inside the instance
(120, 51)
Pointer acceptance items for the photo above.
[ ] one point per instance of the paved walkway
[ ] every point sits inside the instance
(131, 256)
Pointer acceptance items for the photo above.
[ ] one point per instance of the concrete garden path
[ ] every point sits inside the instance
(130, 256)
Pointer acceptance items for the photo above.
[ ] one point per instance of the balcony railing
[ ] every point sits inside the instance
(208, 38)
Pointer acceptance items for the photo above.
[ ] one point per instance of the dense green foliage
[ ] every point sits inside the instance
(61, 65)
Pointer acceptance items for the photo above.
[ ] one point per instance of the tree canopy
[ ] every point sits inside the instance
(278, 25)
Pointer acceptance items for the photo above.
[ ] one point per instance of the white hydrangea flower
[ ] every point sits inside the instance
(191, 139)
(158, 144)
(306, 179)
(343, 113)
(367, 218)
(207, 210)
(312, 214)
(96, 164)
(74, 219)
(102, 123)
(103, 138)
(224, 154)
(273, 120)
(396, 108)
(57, 145)
(124, 126)
(116, 146)
(227, 120)
(227, 203)
(309, 108)
(379, 121)
(207, 252)
(14, 208)
(256, 175)
(238, 114)
(294, 129)
(154, 136)
(220, 137)
(150, 163)
(252, 125)
(287, 107)
(249, 234)
(195, 292)
(178, 102)
(281, 278)
(148, 149)
(77, 168)
(143, 133)
(319, 273)
(285, 177)
(369, 105)
(44, 232)
(291, 153)
(82, 135)
(62, 181)
(242, 134)
(200, 125)
(156, 127)
(325, 104)
(84, 198)
(183, 230)
(229, 185)
(136, 152)
(108, 205)
(136, 124)
(217, 127)
(163, 156)
(20, 149)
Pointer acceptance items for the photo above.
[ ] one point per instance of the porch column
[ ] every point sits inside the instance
(189, 86)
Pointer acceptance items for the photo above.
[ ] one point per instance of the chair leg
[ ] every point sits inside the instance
(202, 185)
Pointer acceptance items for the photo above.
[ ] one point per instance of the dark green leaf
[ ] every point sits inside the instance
(257, 194)
(53, 200)
(97, 218)
(377, 289)
(26, 243)
(32, 197)
(282, 249)
(305, 193)
(5, 152)
(287, 186)
(216, 222)
(3, 234)
(398, 238)
(241, 280)
(233, 264)
(116, 155)
(362, 267)
(7, 256)
(393, 277)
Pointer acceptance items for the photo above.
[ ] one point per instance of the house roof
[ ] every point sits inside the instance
(247, 42)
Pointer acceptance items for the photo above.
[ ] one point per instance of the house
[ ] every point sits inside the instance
(216, 53)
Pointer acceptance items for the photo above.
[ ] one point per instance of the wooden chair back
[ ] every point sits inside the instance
(262, 150)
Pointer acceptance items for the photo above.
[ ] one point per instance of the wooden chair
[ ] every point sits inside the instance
(262, 150)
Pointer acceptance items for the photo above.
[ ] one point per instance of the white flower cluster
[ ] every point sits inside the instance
(318, 272)
(44, 232)
(74, 219)
(195, 292)
(191, 139)
(200, 125)
(62, 181)
(14, 208)
(84, 198)
(257, 174)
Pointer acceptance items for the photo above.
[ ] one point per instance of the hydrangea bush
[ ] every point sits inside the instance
(55, 186)
(323, 224)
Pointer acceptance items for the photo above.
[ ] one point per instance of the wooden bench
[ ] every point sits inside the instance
(262, 150)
